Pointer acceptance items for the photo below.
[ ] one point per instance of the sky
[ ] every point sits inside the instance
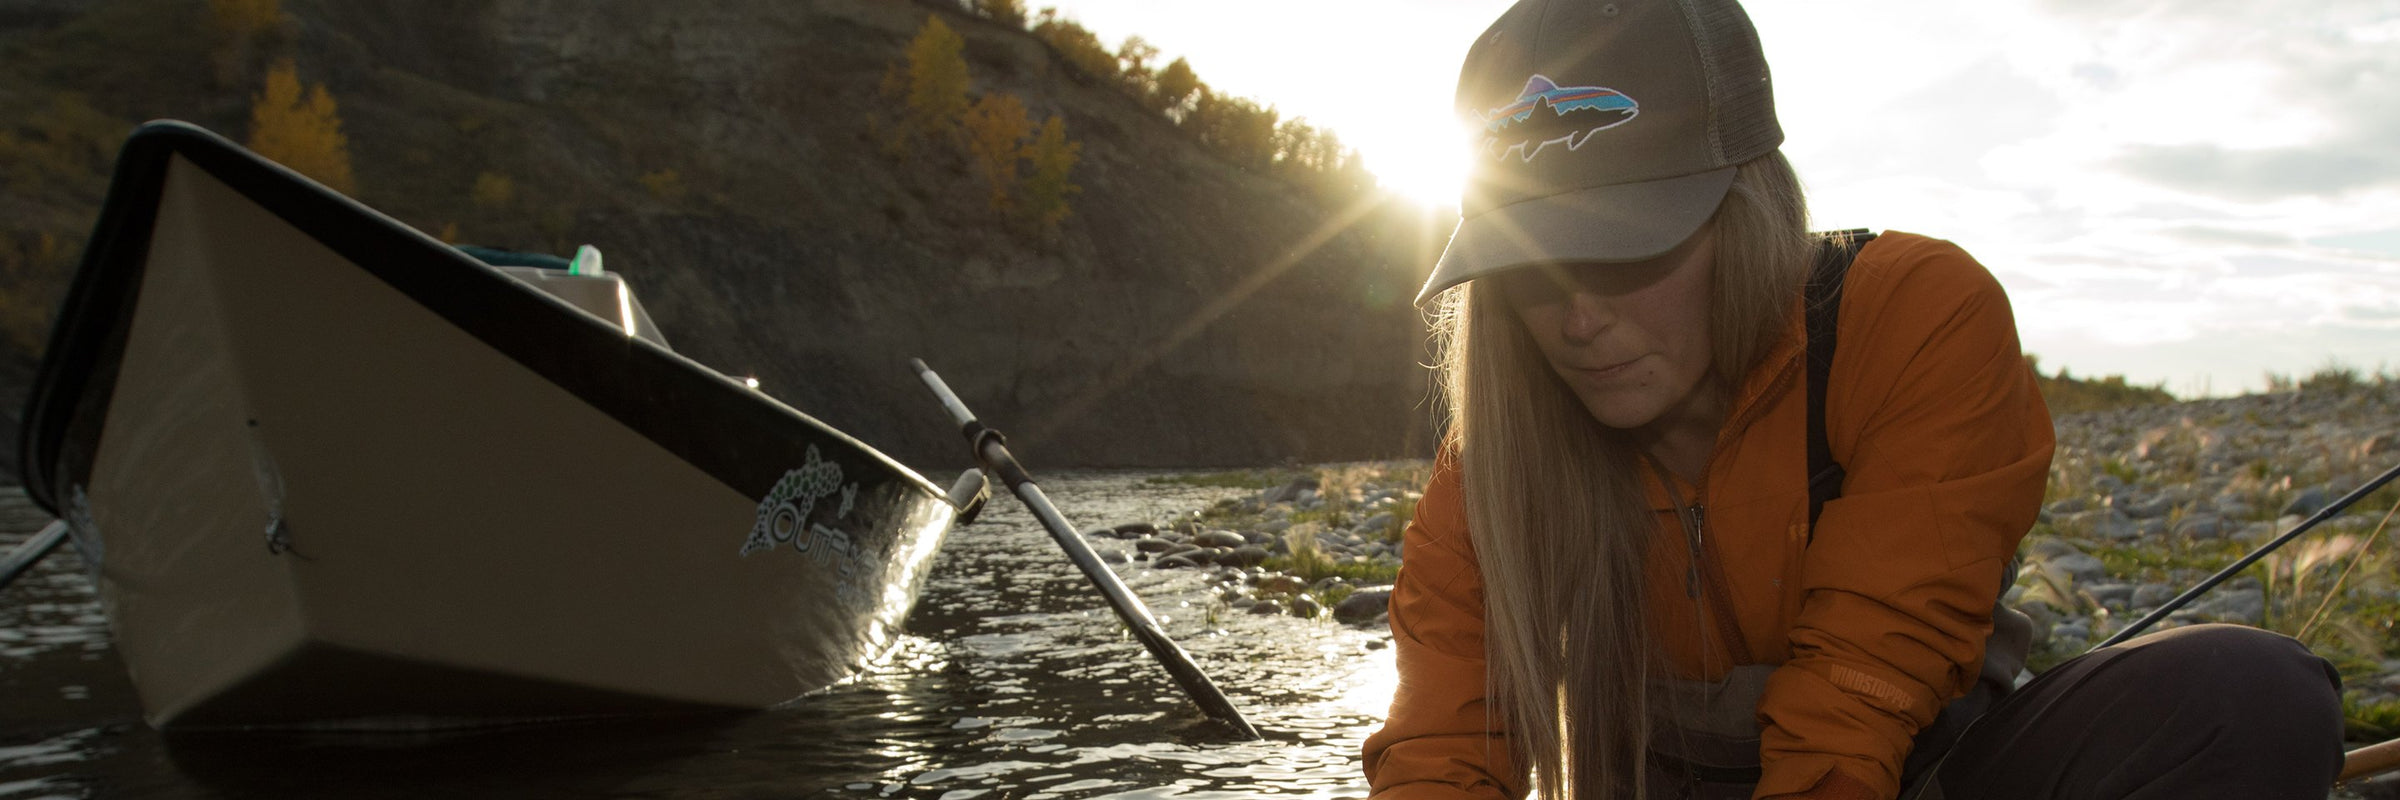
(2190, 193)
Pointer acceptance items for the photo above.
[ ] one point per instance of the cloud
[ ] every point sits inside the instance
(2204, 96)
(2267, 174)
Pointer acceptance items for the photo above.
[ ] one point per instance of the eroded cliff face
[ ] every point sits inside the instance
(1188, 312)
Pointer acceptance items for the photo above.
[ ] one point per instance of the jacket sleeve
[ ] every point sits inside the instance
(1438, 741)
(1946, 444)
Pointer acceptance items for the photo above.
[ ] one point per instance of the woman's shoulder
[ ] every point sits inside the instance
(1900, 258)
(1907, 277)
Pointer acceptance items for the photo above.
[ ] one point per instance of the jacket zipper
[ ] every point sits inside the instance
(1720, 604)
(1696, 574)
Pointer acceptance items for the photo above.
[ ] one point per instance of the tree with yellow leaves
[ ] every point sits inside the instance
(297, 125)
(937, 79)
(1051, 158)
(996, 133)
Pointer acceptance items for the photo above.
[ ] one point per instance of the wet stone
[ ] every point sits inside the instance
(1219, 538)
(1306, 607)
(1265, 607)
(1246, 555)
(1174, 562)
(1153, 545)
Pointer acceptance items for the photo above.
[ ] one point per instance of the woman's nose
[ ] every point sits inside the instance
(1587, 314)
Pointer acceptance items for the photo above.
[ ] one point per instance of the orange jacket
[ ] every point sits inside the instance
(1876, 625)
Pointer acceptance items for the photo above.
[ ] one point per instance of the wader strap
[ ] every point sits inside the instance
(1824, 310)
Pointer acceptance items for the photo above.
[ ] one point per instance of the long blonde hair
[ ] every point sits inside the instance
(1554, 500)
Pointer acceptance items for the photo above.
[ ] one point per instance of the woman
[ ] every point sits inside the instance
(1614, 578)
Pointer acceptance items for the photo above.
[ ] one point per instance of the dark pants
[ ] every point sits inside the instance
(2207, 711)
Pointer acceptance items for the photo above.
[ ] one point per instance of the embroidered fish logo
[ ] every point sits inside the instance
(1576, 113)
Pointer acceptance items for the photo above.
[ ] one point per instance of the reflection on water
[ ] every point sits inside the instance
(1013, 681)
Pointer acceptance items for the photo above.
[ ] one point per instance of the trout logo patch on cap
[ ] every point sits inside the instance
(1546, 113)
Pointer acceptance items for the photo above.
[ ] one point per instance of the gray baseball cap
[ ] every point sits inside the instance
(1609, 131)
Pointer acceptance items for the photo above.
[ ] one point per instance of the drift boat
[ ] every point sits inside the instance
(328, 471)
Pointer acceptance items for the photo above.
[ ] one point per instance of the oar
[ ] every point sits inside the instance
(31, 551)
(2188, 595)
(2370, 761)
(992, 451)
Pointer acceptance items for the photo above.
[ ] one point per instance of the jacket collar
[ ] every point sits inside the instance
(1778, 372)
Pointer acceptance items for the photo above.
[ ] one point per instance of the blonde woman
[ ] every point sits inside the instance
(1616, 586)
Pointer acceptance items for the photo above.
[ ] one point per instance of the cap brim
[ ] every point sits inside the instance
(1625, 222)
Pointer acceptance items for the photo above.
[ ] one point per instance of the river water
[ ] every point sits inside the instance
(1013, 681)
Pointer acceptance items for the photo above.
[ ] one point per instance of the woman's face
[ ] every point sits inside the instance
(1631, 339)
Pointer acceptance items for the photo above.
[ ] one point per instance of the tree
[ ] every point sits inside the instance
(1078, 46)
(1133, 67)
(298, 126)
(1174, 86)
(1005, 12)
(937, 79)
(1052, 157)
(996, 133)
(1235, 127)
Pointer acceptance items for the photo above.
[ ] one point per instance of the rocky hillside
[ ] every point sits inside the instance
(726, 157)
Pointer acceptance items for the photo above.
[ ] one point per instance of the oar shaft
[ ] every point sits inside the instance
(2188, 595)
(2369, 761)
(992, 452)
(31, 551)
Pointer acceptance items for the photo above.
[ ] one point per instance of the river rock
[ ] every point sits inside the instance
(2075, 630)
(2069, 505)
(1132, 529)
(1280, 584)
(1289, 492)
(1152, 545)
(2152, 595)
(1266, 606)
(2064, 557)
(2309, 501)
(1376, 525)
(1306, 607)
(1219, 538)
(2146, 506)
(1115, 557)
(2112, 595)
(1248, 555)
(1180, 548)
(2241, 606)
(1174, 562)
(2106, 523)
(2201, 527)
(1363, 605)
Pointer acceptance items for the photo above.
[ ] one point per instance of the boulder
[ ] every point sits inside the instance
(1363, 605)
